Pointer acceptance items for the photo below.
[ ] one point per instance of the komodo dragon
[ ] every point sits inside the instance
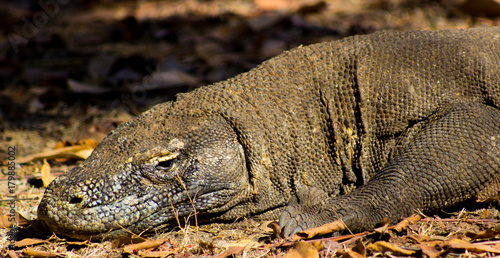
(362, 129)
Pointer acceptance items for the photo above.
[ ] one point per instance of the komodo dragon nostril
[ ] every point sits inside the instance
(76, 200)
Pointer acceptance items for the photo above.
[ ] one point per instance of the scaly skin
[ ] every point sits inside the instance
(360, 129)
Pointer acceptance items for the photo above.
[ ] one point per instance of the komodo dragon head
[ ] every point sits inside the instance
(152, 172)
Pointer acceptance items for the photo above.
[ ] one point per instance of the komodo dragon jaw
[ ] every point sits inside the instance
(203, 170)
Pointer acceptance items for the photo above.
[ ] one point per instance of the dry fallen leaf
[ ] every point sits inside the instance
(29, 241)
(360, 248)
(477, 248)
(144, 245)
(35, 253)
(357, 251)
(408, 221)
(382, 246)
(11, 254)
(430, 250)
(302, 250)
(6, 220)
(232, 250)
(47, 177)
(237, 247)
(384, 227)
(321, 230)
(82, 150)
(488, 233)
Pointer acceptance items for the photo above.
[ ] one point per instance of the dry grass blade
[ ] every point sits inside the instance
(158, 254)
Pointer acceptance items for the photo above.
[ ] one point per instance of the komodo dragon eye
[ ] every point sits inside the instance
(166, 164)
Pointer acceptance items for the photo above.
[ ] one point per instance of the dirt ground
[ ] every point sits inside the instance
(71, 71)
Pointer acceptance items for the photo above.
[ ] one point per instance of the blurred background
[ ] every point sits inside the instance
(73, 70)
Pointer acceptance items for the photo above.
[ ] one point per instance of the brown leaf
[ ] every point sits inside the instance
(127, 240)
(350, 254)
(7, 222)
(12, 254)
(232, 250)
(47, 177)
(385, 226)
(82, 150)
(488, 233)
(477, 248)
(382, 246)
(321, 230)
(32, 252)
(28, 241)
(430, 250)
(302, 250)
(144, 245)
(360, 248)
(237, 247)
(408, 221)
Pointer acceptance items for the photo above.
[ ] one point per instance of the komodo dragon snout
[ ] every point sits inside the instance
(160, 175)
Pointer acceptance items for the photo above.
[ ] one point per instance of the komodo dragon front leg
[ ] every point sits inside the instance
(451, 159)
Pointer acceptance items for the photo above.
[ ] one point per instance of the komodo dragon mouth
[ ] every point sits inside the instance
(81, 219)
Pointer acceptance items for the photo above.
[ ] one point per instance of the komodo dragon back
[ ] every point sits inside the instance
(362, 129)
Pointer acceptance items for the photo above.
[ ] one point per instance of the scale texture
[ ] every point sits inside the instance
(362, 129)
